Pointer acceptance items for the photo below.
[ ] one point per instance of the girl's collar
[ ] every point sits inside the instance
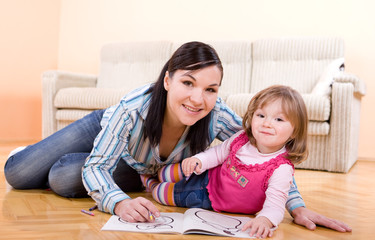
(273, 153)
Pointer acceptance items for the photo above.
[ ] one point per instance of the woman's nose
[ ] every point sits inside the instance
(196, 96)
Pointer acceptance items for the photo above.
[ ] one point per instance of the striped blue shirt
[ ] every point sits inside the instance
(122, 138)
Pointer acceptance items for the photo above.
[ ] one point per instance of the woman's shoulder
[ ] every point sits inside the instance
(136, 101)
(137, 98)
(138, 93)
(223, 113)
(222, 107)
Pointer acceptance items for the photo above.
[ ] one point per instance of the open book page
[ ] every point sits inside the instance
(193, 221)
(200, 221)
(166, 223)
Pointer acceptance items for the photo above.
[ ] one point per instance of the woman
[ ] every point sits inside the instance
(154, 125)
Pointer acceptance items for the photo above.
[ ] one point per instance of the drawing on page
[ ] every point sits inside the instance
(162, 222)
(218, 220)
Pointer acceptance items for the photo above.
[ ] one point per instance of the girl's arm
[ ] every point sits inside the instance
(277, 193)
(273, 209)
(214, 156)
(260, 227)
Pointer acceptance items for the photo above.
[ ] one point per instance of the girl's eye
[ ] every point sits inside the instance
(279, 120)
(260, 115)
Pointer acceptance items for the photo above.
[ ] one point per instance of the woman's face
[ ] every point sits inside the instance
(191, 95)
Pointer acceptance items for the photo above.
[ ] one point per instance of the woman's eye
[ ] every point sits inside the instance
(211, 90)
(187, 83)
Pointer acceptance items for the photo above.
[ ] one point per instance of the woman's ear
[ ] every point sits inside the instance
(166, 81)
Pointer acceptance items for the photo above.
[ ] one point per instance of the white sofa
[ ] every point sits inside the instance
(313, 66)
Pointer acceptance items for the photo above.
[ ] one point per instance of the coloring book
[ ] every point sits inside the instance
(193, 221)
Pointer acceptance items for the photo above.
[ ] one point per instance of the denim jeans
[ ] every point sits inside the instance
(193, 193)
(56, 161)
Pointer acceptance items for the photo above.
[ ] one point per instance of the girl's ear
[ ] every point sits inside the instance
(166, 81)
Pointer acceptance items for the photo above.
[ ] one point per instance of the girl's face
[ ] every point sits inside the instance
(270, 127)
(191, 95)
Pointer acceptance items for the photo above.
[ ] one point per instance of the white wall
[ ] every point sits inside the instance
(85, 25)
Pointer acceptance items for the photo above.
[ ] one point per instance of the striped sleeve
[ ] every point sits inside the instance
(225, 121)
(109, 147)
(294, 198)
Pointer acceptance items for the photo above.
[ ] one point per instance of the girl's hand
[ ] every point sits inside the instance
(260, 227)
(189, 164)
(136, 210)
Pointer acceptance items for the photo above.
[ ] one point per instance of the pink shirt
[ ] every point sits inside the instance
(276, 192)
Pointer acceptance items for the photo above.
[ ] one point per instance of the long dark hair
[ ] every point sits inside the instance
(190, 56)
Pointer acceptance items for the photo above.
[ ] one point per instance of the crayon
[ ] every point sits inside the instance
(87, 212)
(187, 178)
(93, 208)
(151, 216)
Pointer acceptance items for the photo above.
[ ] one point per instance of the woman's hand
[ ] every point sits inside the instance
(136, 210)
(310, 219)
(260, 227)
(189, 165)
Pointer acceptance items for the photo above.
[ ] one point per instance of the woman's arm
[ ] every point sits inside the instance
(308, 218)
(102, 161)
(224, 121)
(110, 146)
(294, 198)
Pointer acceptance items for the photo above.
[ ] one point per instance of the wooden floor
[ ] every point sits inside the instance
(39, 214)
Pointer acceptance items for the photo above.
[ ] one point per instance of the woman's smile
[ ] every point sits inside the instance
(192, 109)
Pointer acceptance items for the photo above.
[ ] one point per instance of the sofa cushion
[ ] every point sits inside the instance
(132, 64)
(88, 98)
(296, 62)
(235, 57)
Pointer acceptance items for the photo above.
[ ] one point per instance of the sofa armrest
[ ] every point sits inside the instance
(52, 82)
(88, 98)
(359, 85)
(345, 118)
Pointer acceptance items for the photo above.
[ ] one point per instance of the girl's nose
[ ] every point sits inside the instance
(267, 122)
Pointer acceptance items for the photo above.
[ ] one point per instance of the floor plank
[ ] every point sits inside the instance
(40, 214)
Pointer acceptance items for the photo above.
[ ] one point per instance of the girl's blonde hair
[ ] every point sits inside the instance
(295, 111)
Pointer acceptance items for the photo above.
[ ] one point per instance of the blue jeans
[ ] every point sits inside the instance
(57, 160)
(192, 193)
